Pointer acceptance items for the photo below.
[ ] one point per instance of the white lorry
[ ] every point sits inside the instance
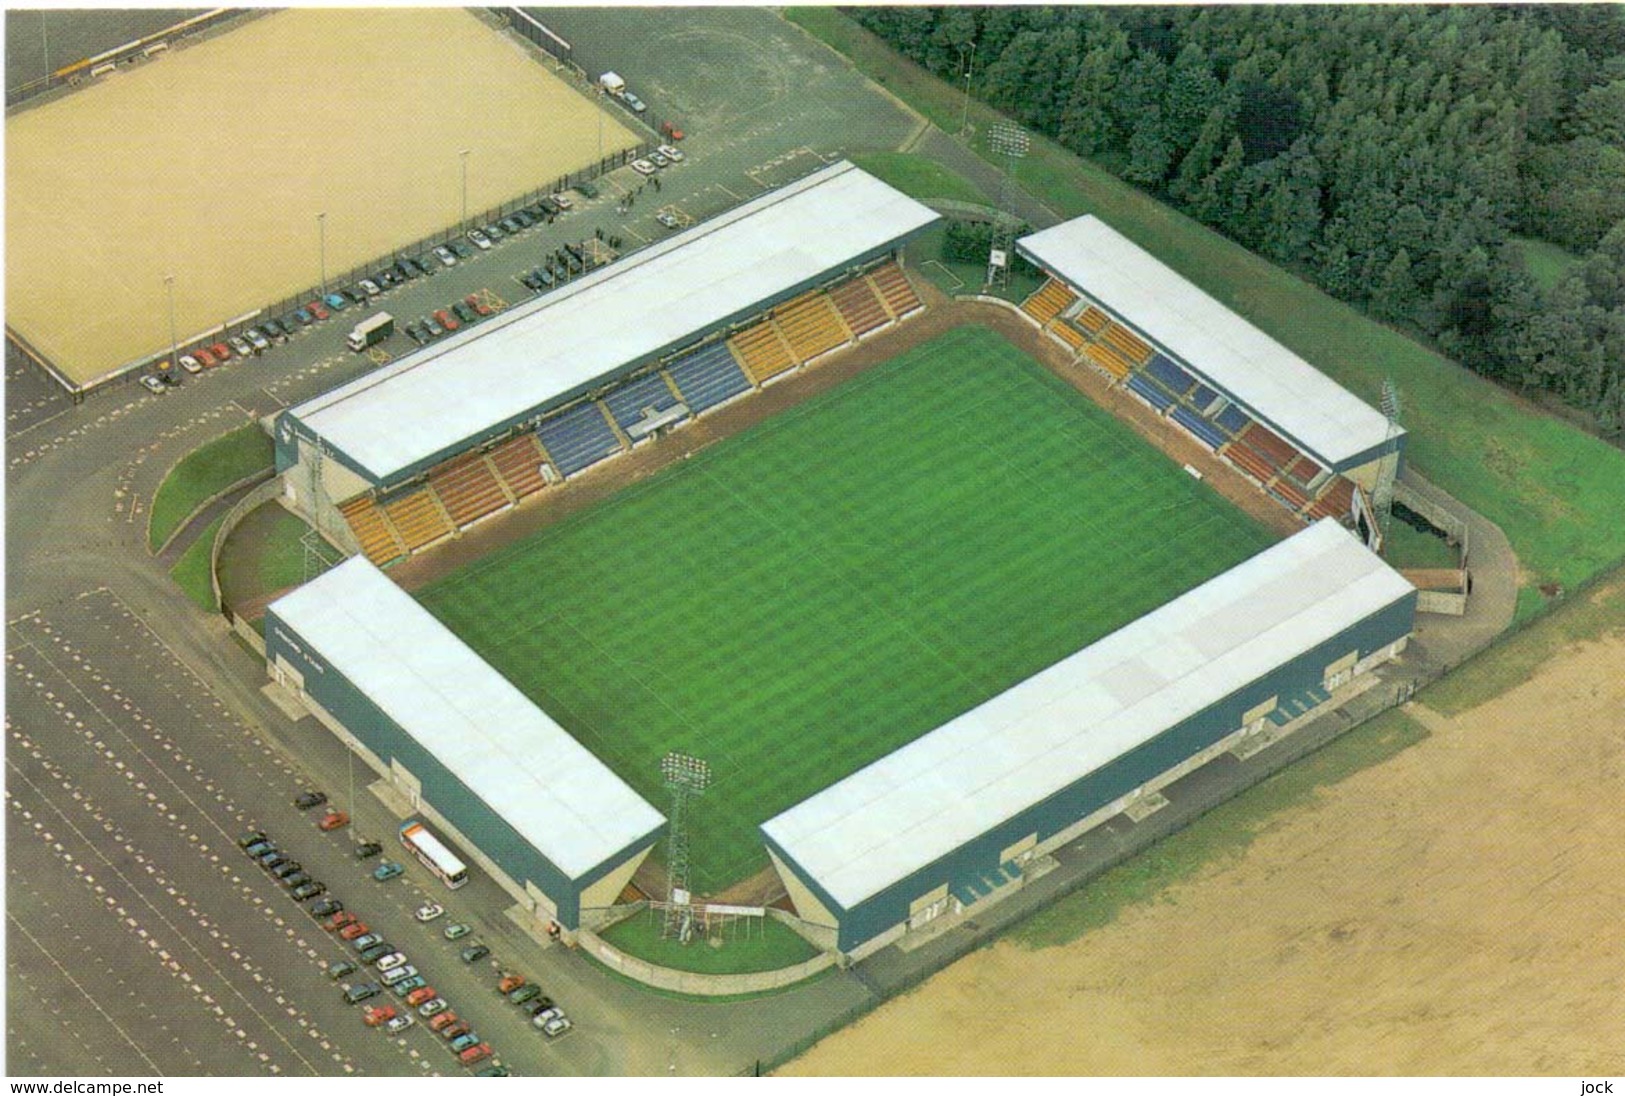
(371, 331)
(613, 84)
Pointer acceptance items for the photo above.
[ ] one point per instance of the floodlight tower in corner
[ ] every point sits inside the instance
(1012, 142)
(685, 777)
(1382, 499)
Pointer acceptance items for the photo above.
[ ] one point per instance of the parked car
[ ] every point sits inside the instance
(190, 363)
(555, 1027)
(420, 995)
(220, 352)
(445, 255)
(428, 912)
(354, 995)
(462, 1042)
(290, 323)
(339, 920)
(391, 961)
(274, 860)
(339, 968)
(563, 201)
(446, 320)
(475, 1054)
(306, 891)
(464, 313)
(378, 1014)
(473, 301)
(524, 993)
(418, 267)
(510, 982)
(541, 1004)
(479, 239)
(396, 975)
(274, 329)
(674, 155)
(530, 281)
(370, 287)
(510, 225)
(667, 220)
(460, 249)
(367, 850)
(297, 879)
(257, 339)
(417, 334)
(377, 952)
(387, 871)
(494, 232)
(407, 985)
(457, 930)
(474, 953)
(494, 1071)
(287, 868)
(669, 129)
(430, 1008)
(304, 317)
(333, 820)
(638, 105)
(365, 940)
(399, 1024)
(252, 837)
(326, 907)
(443, 1021)
(433, 328)
(307, 800)
(643, 167)
(353, 930)
(524, 217)
(205, 359)
(317, 309)
(658, 160)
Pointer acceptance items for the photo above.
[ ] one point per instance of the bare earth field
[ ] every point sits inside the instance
(1454, 910)
(212, 163)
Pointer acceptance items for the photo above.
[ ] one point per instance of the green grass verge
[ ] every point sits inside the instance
(264, 554)
(925, 256)
(749, 945)
(1546, 262)
(1219, 837)
(801, 599)
(1556, 491)
(191, 571)
(203, 473)
(1405, 547)
(1597, 612)
(920, 178)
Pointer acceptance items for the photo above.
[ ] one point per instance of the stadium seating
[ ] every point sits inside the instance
(519, 463)
(859, 306)
(1334, 501)
(1304, 470)
(418, 518)
(895, 290)
(1169, 375)
(1202, 398)
(1149, 392)
(1233, 420)
(1204, 431)
(811, 326)
(762, 352)
(709, 376)
(1068, 334)
(579, 438)
(378, 541)
(1109, 360)
(1048, 301)
(1278, 452)
(1092, 320)
(1249, 462)
(468, 489)
(1290, 494)
(1132, 347)
(629, 402)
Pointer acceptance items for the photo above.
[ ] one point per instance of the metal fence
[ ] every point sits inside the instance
(536, 33)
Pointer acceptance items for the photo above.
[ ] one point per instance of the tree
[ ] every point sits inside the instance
(1149, 150)
(1192, 93)
(1396, 297)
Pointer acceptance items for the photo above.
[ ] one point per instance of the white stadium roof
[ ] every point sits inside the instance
(503, 748)
(496, 371)
(1316, 412)
(927, 798)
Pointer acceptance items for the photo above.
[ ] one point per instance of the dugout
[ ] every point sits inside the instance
(515, 793)
(961, 814)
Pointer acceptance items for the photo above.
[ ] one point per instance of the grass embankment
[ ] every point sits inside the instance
(266, 553)
(203, 473)
(749, 945)
(191, 571)
(1556, 491)
(919, 177)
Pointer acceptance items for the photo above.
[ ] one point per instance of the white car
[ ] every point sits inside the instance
(191, 364)
(671, 154)
(658, 160)
(369, 287)
(399, 974)
(429, 911)
(244, 348)
(255, 336)
(445, 255)
(153, 384)
(391, 961)
(643, 167)
(479, 239)
(556, 1027)
(399, 1024)
(563, 201)
(432, 1008)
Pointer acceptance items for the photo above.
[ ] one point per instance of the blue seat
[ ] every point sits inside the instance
(1204, 431)
(708, 377)
(1173, 378)
(1149, 392)
(1202, 398)
(628, 402)
(579, 438)
(1233, 419)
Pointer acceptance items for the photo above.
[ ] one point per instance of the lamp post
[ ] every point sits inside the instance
(321, 229)
(169, 289)
(463, 152)
(964, 114)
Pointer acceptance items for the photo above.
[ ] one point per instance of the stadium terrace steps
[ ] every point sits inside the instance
(1109, 360)
(762, 352)
(372, 531)
(1126, 342)
(629, 403)
(860, 308)
(1048, 301)
(895, 290)
(468, 489)
(518, 461)
(811, 326)
(709, 376)
(419, 519)
(579, 438)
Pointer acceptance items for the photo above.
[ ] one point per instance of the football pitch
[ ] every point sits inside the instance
(805, 597)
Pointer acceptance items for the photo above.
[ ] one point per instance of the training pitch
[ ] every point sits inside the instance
(212, 163)
(801, 599)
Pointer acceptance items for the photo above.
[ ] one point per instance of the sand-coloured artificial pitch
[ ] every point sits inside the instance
(1455, 910)
(213, 162)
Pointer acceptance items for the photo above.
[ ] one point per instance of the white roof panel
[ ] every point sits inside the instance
(927, 798)
(487, 734)
(1313, 410)
(498, 370)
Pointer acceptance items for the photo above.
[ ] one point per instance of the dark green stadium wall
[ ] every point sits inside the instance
(890, 907)
(440, 789)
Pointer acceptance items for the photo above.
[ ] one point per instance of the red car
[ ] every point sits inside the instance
(446, 319)
(315, 309)
(510, 982)
(443, 1021)
(340, 920)
(420, 995)
(473, 301)
(353, 929)
(379, 1015)
(221, 351)
(204, 358)
(455, 1031)
(333, 820)
(477, 1053)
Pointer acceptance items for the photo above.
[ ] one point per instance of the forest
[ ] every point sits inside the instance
(1425, 164)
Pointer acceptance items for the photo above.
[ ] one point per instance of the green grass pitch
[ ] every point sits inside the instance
(801, 599)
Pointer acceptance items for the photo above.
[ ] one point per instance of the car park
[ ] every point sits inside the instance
(339, 968)
(428, 912)
(391, 961)
(446, 320)
(464, 313)
(339, 920)
(462, 1042)
(396, 975)
(354, 995)
(674, 155)
(524, 993)
(457, 930)
(667, 220)
(479, 239)
(643, 167)
(377, 952)
(378, 1014)
(326, 907)
(474, 953)
(362, 941)
(353, 930)
(443, 1021)
(432, 1007)
(473, 301)
(190, 364)
(333, 820)
(475, 1054)
(306, 891)
(221, 352)
(420, 995)
(399, 1024)
(154, 384)
(407, 985)
(367, 850)
(307, 800)
(387, 871)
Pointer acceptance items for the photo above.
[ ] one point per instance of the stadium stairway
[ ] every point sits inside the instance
(811, 326)
(895, 290)
(859, 307)
(468, 489)
(378, 540)
(517, 463)
(762, 352)
(419, 518)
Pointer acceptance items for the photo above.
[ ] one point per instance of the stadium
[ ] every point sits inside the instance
(927, 625)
